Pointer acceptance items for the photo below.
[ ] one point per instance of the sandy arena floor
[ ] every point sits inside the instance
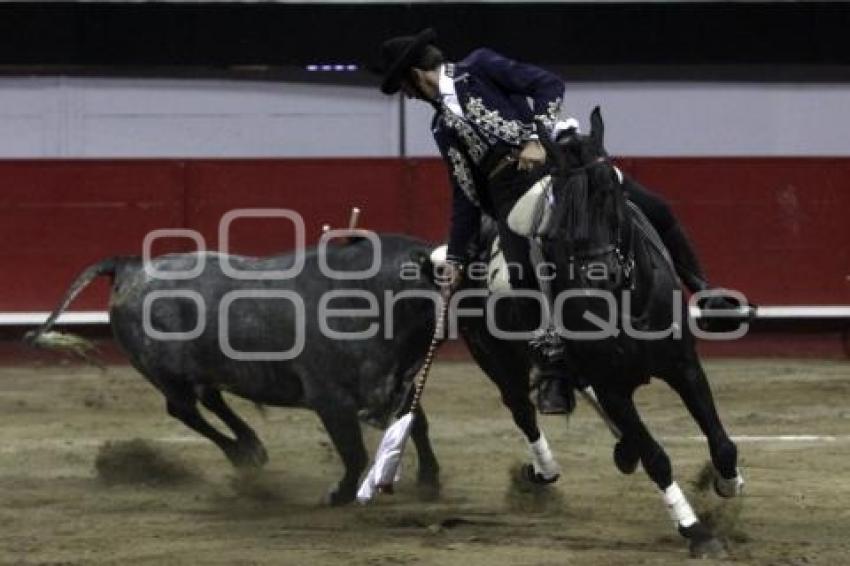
(56, 509)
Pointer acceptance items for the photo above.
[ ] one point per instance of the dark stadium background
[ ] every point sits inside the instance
(58, 215)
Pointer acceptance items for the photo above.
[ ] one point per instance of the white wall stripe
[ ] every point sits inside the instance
(33, 318)
(672, 119)
(118, 117)
(102, 317)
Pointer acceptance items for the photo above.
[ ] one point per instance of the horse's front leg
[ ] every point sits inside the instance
(626, 457)
(515, 390)
(692, 386)
(506, 364)
(621, 408)
(544, 468)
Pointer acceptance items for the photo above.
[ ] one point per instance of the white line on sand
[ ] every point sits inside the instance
(801, 438)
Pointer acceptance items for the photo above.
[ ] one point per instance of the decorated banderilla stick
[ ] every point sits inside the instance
(385, 469)
(436, 340)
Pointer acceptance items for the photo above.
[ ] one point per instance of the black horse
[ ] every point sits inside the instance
(615, 298)
(594, 229)
(510, 362)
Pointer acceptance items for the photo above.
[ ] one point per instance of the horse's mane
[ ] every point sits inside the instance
(604, 220)
(571, 209)
(585, 206)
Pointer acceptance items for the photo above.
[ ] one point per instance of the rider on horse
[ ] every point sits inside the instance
(488, 135)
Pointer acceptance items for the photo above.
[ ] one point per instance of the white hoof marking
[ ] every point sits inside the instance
(678, 507)
(543, 460)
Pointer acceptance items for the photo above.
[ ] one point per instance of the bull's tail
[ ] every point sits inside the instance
(44, 337)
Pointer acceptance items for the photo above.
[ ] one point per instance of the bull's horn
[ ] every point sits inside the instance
(355, 216)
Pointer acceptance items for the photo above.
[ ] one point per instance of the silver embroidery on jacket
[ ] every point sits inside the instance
(476, 146)
(553, 112)
(463, 175)
(491, 122)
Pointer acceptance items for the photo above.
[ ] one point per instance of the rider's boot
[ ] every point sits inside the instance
(555, 396)
(548, 353)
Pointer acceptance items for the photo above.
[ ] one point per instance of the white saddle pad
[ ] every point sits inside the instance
(532, 213)
(497, 269)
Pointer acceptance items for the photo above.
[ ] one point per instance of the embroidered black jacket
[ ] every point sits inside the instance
(501, 99)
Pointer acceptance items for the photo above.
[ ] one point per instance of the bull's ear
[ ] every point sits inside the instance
(597, 129)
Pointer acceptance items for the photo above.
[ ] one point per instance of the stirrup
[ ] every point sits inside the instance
(555, 396)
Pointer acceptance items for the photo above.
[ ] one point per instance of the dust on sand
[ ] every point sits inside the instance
(192, 508)
(139, 461)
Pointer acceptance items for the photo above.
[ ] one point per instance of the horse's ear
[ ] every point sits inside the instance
(597, 129)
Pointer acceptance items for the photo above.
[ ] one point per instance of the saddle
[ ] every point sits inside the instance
(530, 217)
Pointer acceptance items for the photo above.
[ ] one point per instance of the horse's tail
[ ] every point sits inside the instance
(43, 337)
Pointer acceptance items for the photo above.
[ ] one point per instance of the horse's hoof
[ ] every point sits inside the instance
(702, 543)
(728, 488)
(709, 548)
(625, 458)
(259, 455)
(536, 477)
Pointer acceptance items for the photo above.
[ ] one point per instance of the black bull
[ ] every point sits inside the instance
(338, 379)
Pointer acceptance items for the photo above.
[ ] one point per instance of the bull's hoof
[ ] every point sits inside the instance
(535, 477)
(626, 457)
(428, 491)
(702, 543)
(250, 456)
(428, 478)
(338, 496)
(428, 483)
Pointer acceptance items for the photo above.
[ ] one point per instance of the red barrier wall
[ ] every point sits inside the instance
(777, 229)
(773, 228)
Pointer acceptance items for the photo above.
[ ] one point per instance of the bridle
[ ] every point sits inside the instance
(625, 257)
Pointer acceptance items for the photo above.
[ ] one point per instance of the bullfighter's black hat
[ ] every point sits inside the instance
(398, 54)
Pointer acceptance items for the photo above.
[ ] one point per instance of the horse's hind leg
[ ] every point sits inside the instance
(249, 451)
(621, 408)
(692, 386)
